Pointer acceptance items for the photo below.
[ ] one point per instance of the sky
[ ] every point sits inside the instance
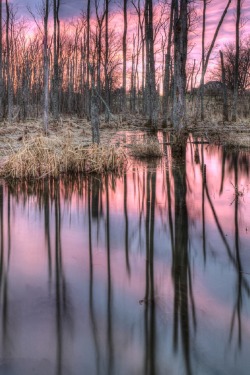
(73, 8)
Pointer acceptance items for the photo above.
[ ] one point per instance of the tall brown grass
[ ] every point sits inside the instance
(42, 156)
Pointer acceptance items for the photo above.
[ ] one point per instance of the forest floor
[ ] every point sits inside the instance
(78, 132)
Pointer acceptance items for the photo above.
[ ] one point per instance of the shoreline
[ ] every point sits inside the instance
(71, 139)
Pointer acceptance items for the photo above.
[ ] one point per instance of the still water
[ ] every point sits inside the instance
(145, 273)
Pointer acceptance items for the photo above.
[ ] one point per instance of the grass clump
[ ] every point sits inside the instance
(149, 148)
(41, 156)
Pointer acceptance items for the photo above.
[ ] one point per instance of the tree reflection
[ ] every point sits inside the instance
(181, 272)
(149, 299)
(146, 213)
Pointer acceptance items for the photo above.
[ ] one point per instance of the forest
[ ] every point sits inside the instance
(118, 59)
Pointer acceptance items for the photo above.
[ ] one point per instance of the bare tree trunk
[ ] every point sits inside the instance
(95, 122)
(8, 65)
(133, 83)
(203, 57)
(236, 67)
(1, 62)
(152, 99)
(106, 57)
(46, 70)
(225, 102)
(100, 20)
(180, 58)
(167, 67)
(124, 53)
(205, 60)
(56, 38)
(88, 61)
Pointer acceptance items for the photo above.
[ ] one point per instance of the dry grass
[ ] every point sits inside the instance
(149, 148)
(41, 156)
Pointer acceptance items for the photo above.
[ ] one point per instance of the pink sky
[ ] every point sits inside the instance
(73, 9)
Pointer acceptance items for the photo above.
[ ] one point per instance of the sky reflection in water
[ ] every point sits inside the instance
(148, 273)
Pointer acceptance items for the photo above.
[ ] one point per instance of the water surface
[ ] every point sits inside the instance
(145, 273)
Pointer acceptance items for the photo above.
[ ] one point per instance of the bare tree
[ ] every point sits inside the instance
(8, 65)
(94, 111)
(205, 59)
(237, 53)
(46, 68)
(151, 94)
(107, 2)
(88, 60)
(1, 62)
(223, 76)
(180, 58)
(167, 66)
(124, 53)
(56, 45)
(205, 2)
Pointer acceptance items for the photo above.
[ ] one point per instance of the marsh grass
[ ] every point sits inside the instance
(41, 156)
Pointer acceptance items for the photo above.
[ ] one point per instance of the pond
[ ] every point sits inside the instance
(144, 273)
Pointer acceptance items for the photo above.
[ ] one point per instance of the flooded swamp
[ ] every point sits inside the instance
(147, 272)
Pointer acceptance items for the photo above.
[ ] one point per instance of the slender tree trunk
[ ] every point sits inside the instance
(1, 62)
(167, 67)
(95, 122)
(88, 61)
(225, 102)
(203, 58)
(106, 58)
(46, 70)
(8, 65)
(152, 100)
(236, 67)
(180, 58)
(124, 53)
(133, 83)
(56, 38)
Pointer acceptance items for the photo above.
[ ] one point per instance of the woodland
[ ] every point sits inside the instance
(124, 63)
